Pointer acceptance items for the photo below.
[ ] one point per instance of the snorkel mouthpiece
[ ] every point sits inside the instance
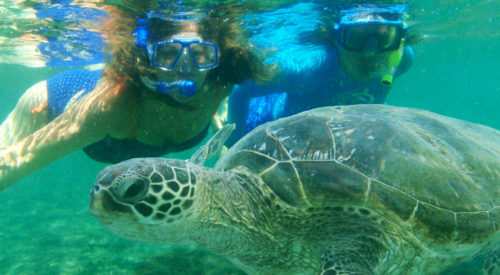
(183, 87)
(387, 80)
(181, 91)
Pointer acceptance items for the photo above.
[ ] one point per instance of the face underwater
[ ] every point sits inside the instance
(371, 47)
(181, 60)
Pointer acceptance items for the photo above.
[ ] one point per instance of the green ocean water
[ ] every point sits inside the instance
(45, 227)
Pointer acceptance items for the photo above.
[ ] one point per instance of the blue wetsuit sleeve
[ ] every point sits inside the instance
(251, 104)
(248, 112)
(237, 111)
(406, 61)
(239, 103)
(239, 107)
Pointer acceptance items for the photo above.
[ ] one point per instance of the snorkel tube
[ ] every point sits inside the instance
(181, 90)
(394, 60)
(387, 80)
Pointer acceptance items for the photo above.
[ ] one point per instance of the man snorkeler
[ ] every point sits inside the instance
(351, 61)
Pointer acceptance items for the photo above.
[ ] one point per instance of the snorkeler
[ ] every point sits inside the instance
(164, 79)
(353, 60)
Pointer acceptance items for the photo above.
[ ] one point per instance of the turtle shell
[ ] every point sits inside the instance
(433, 171)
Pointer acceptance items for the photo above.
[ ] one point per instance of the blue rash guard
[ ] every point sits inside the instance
(63, 86)
(310, 75)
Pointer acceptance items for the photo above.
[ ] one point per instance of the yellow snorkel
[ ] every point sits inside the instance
(387, 80)
(393, 61)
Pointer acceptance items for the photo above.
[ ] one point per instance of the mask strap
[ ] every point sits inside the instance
(141, 33)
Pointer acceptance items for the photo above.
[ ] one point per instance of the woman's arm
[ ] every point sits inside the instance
(27, 117)
(100, 112)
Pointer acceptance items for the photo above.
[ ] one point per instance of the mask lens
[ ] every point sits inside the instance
(203, 54)
(389, 37)
(166, 54)
(354, 36)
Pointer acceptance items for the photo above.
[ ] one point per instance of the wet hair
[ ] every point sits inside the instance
(237, 61)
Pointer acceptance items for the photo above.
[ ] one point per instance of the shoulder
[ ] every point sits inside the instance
(39, 89)
(71, 78)
(106, 108)
(34, 99)
(406, 61)
(67, 87)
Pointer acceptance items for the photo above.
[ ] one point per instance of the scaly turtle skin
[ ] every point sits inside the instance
(363, 189)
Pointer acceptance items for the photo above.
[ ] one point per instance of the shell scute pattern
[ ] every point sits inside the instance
(474, 227)
(358, 143)
(265, 143)
(283, 180)
(295, 141)
(257, 161)
(494, 214)
(435, 222)
(417, 143)
(328, 182)
(398, 202)
(356, 156)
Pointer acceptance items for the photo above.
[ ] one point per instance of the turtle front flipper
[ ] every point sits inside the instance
(213, 146)
(491, 265)
(347, 260)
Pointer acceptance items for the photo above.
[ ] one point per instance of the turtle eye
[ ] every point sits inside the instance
(130, 189)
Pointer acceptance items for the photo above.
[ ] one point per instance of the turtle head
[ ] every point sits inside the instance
(149, 199)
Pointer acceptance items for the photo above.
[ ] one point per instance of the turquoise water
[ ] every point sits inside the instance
(45, 227)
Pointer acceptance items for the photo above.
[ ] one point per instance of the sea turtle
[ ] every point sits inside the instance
(365, 189)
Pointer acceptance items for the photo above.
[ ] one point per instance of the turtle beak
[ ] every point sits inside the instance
(104, 207)
(97, 205)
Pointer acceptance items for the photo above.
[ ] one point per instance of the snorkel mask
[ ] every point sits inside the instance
(373, 32)
(165, 56)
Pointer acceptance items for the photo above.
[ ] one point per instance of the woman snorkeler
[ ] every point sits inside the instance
(165, 77)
